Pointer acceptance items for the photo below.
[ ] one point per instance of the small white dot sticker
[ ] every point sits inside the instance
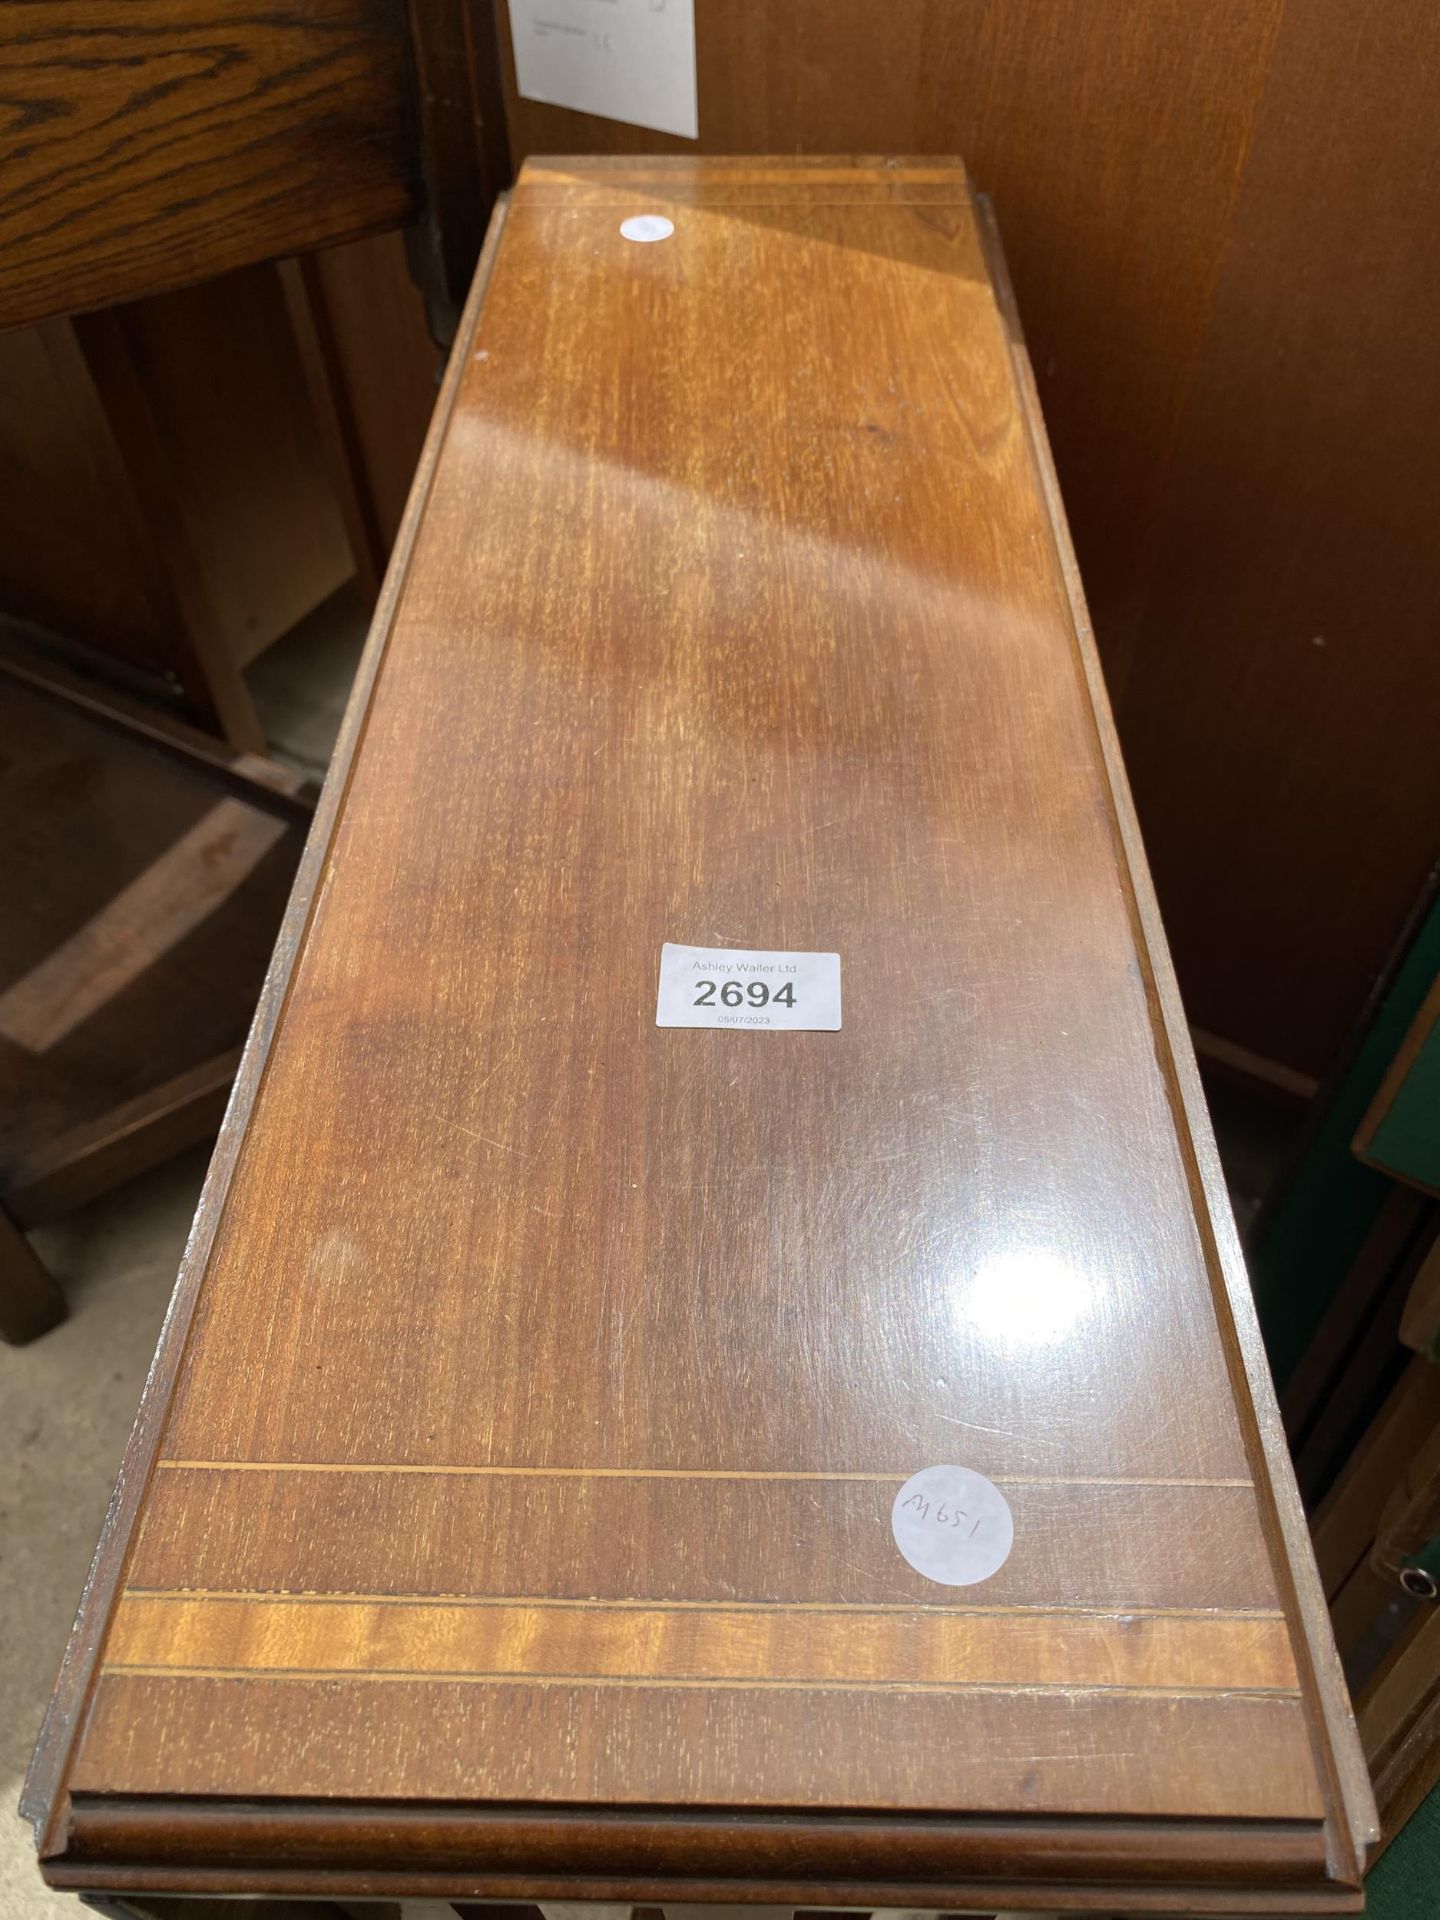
(647, 226)
(953, 1525)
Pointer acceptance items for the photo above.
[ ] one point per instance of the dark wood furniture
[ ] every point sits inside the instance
(146, 148)
(1400, 1135)
(30, 1301)
(156, 144)
(193, 466)
(170, 510)
(1368, 1391)
(145, 870)
(509, 1514)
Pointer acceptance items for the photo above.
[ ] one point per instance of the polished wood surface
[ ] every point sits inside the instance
(541, 1380)
(1089, 127)
(1219, 219)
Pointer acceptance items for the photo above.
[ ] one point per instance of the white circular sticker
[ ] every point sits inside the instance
(647, 226)
(952, 1525)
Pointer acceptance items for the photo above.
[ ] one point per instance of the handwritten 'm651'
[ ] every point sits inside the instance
(943, 1516)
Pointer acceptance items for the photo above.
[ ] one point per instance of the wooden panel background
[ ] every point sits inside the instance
(1220, 222)
(374, 317)
(167, 502)
(1280, 715)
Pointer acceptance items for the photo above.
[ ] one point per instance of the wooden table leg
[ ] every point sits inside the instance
(30, 1301)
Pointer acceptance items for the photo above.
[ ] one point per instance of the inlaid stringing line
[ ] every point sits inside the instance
(536, 197)
(270, 1595)
(660, 1473)
(139, 1671)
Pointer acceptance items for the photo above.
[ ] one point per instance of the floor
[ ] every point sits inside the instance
(66, 1403)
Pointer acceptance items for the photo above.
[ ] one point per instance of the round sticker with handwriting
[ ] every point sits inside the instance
(953, 1525)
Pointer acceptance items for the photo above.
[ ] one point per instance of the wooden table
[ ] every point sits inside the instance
(510, 1513)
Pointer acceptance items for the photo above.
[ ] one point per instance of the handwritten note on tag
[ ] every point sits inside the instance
(953, 1525)
(630, 60)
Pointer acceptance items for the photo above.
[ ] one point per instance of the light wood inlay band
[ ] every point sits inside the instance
(724, 1645)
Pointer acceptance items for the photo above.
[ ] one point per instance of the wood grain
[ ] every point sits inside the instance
(166, 901)
(945, 1861)
(1399, 1716)
(581, 1535)
(1219, 222)
(384, 363)
(1341, 1759)
(1010, 1751)
(142, 900)
(1088, 126)
(1347, 1519)
(43, 1798)
(169, 509)
(736, 612)
(151, 144)
(75, 554)
(252, 491)
(858, 1647)
(30, 661)
(1277, 714)
(75, 1167)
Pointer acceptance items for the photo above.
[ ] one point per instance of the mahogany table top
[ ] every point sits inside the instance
(512, 1508)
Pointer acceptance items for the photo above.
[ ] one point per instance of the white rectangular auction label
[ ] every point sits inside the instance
(747, 987)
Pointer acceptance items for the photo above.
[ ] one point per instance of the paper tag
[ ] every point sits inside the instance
(628, 60)
(748, 987)
(953, 1525)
